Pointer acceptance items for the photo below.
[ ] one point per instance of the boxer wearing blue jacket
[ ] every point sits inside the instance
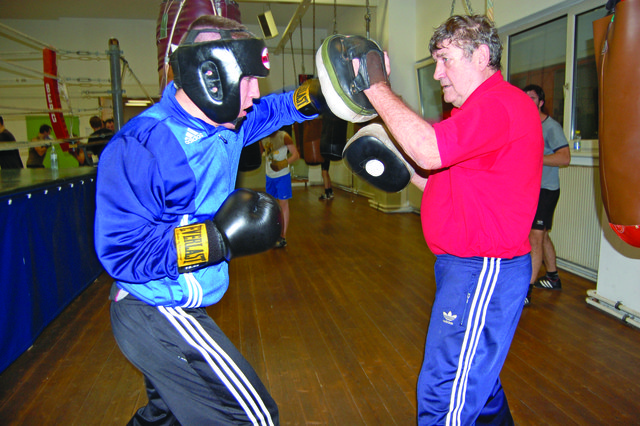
(168, 219)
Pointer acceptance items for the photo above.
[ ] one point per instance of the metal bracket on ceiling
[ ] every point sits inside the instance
(293, 24)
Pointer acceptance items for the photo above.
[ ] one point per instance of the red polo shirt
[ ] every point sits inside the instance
(482, 202)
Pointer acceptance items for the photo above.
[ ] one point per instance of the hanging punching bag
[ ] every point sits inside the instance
(333, 137)
(617, 42)
(312, 130)
(250, 158)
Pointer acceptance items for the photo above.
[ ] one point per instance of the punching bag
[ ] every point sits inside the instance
(333, 137)
(308, 135)
(250, 158)
(311, 132)
(617, 43)
(174, 20)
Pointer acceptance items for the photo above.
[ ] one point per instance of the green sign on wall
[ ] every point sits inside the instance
(65, 159)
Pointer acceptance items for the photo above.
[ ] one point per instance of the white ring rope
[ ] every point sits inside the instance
(7, 146)
(27, 109)
(28, 76)
(31, 70)
(66, 54)
(25, 37)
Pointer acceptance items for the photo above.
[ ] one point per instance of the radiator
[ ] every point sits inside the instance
(576, 229)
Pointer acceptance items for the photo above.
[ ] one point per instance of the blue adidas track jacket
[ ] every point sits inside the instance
(165, 169)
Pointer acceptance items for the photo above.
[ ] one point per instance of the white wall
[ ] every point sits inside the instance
(619, 269)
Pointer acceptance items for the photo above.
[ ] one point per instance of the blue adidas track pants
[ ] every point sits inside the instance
(476, 310)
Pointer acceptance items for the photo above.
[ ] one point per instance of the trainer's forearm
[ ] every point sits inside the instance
(412, 132)
(419, 181)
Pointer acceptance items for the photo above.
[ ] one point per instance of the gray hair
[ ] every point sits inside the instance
(468, 33)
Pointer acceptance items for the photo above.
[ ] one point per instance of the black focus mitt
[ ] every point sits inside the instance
(341, 87)
(371, 154)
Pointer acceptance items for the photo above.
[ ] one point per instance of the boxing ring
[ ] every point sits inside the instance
(48, 256)
(47, 250)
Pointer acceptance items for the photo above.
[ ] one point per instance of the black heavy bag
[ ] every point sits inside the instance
(250, 158)
(333, 137)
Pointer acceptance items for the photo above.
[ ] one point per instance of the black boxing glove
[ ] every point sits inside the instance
(248, 222)
(308, 98)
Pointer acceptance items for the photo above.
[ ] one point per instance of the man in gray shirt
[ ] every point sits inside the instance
(556, 154)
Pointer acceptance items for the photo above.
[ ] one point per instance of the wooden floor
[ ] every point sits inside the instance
(335, 325)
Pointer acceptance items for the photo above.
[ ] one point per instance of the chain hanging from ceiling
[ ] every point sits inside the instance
(302, 47)
(335, 16)
(293, 59)
(367, 20)
(466, 4)
(314, 36)
(489, 10)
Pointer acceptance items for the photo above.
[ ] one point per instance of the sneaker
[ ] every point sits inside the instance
(547, 283)
(326, 196)
(527, 299)
(280, 243)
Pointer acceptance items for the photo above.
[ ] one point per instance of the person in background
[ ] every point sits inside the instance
(99, 138)
(9, 159)
(556, 154)
(37, 154)
(478, 203)
(110, 125)
(277, 147)
(326, 181)
(169, 219)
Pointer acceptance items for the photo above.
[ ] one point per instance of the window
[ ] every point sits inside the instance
(538, 56)
(585, 77)
(555, 50)
(432, 105)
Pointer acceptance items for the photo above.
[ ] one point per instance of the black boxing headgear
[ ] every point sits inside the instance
(210, 72)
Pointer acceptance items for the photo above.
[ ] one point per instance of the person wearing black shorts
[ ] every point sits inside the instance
(556, 154)
(326, 180)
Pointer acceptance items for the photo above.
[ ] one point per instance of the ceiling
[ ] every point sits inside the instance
(349, 15)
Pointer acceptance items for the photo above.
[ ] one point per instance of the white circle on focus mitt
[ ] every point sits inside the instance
(371, 154)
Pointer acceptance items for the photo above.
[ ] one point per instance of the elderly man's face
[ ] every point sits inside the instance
(458, 75)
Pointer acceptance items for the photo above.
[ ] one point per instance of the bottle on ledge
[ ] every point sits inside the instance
(577, 142)
(54, 162)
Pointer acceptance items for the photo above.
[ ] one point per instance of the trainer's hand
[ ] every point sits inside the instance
(347, 66)
(248, 222)
(376, 70)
